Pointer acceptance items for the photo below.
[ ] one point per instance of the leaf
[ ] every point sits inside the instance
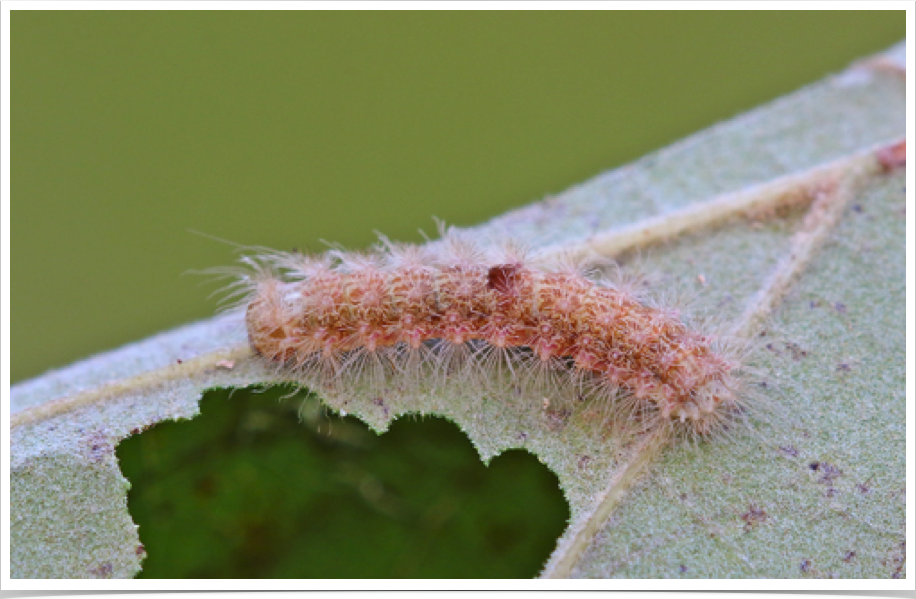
(787, 223)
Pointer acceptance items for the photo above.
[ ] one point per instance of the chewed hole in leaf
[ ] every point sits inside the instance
(264, 484)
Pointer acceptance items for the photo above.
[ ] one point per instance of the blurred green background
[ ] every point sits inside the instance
(129, 129)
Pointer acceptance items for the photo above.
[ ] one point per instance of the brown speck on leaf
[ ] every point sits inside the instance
(897, 560)
(844, 367)
(103, 570)
(100, 447)
(881, 64)
(850, 555)
(226, 364)
(381, 403)
(828, 472)
(797, 352)
(863, 488)
(179, 361)
(805, 565)
(584, 461)
(755, 515)
(140, 550)
(893, 156)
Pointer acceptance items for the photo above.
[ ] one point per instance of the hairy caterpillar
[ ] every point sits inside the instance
(458, 310)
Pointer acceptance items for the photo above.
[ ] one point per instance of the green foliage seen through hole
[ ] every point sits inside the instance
(262, 486)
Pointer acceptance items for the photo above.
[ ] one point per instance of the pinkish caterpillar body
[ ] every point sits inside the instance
(406, 305)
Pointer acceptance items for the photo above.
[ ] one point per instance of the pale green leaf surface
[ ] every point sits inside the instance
(747, 506)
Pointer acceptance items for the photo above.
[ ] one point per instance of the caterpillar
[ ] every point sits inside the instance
(456, 309)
